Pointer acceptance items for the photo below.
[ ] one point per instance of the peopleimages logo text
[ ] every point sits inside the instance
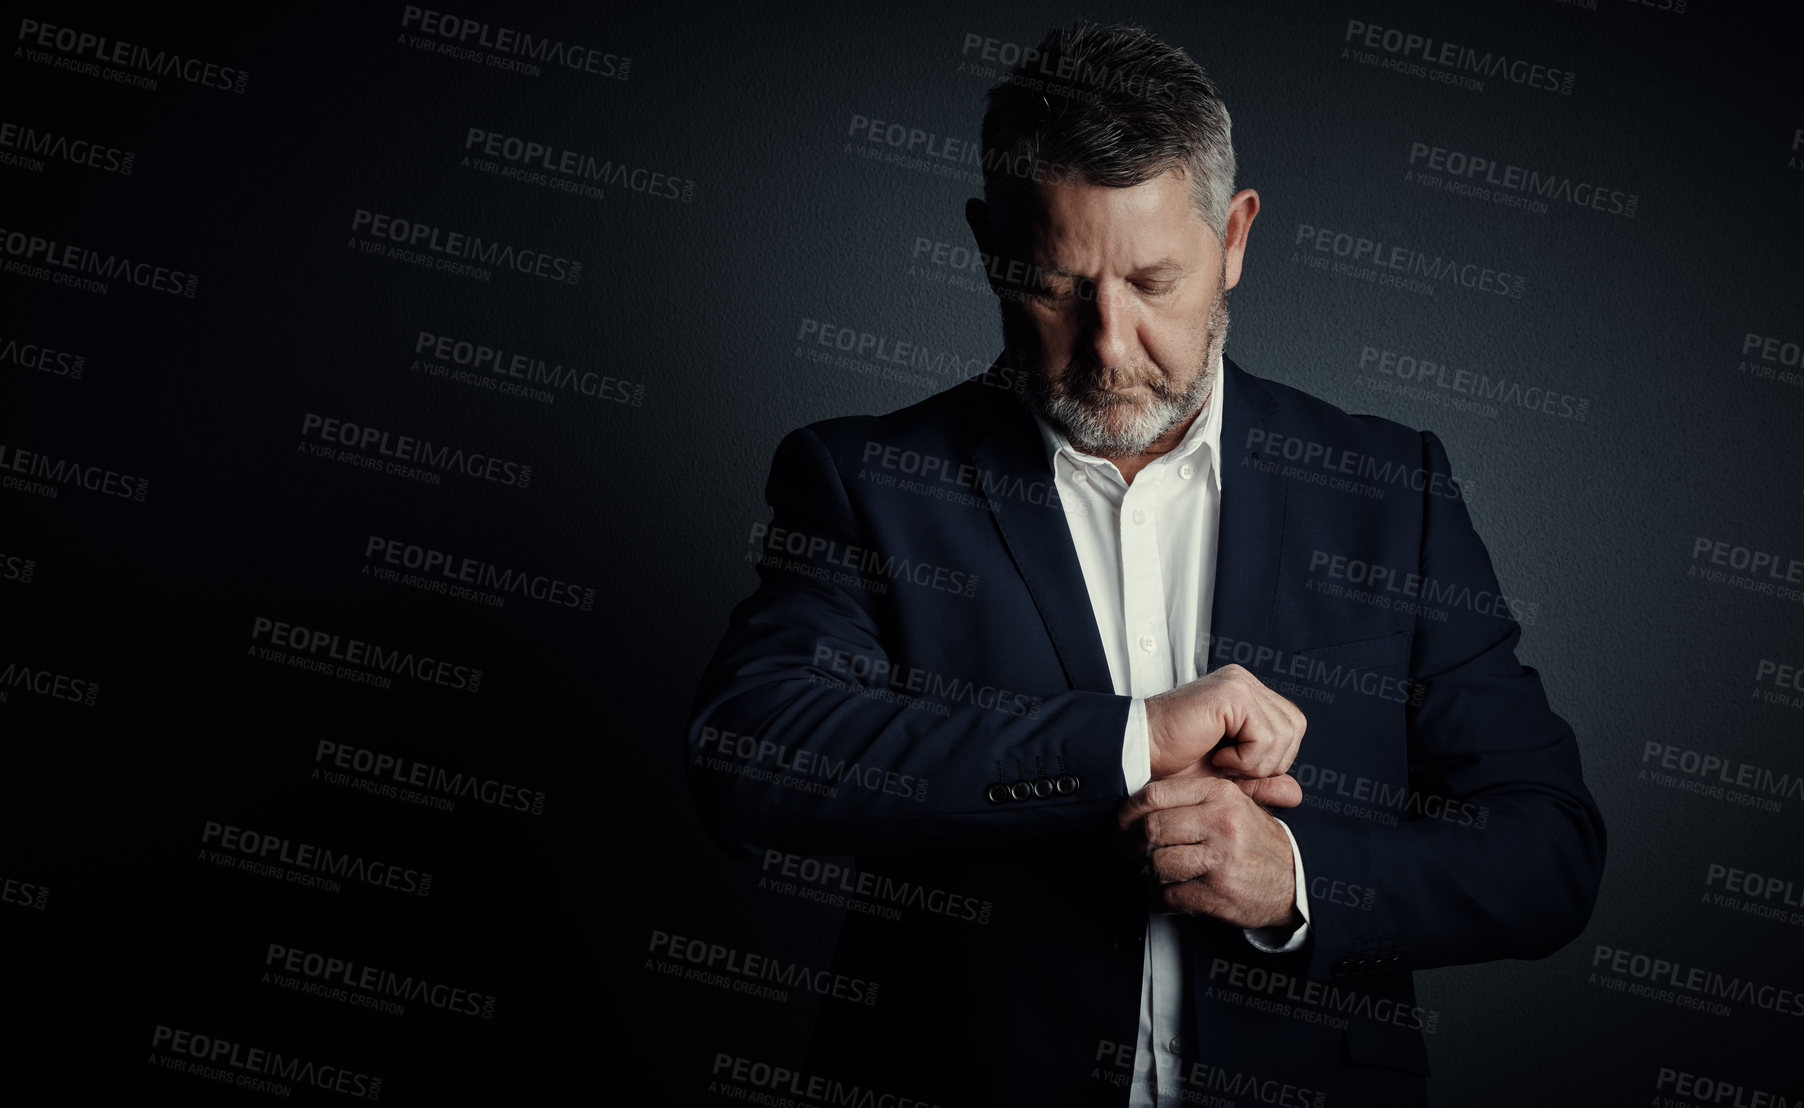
(1399, 258)
(416, 235)
(524, 46)
(38, 251)
(88, 51)
(420, 452)
(333, 647)
(1460, 59)
(260, 1069)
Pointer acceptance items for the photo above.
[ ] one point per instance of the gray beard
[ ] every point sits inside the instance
(1083, 417)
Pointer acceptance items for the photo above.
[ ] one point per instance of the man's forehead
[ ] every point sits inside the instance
(1169, 243)
(1165, 266)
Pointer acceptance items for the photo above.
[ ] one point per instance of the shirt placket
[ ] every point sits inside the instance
(1150, 672)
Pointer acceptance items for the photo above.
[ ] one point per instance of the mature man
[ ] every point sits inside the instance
(1021, 645)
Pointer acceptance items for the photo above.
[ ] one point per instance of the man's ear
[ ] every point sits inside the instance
(1241, 211)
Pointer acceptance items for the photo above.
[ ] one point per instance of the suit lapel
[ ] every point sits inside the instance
(1253, 500)
(1010, 455)
(1008, 451)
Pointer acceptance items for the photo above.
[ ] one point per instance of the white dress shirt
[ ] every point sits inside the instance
(1148, 554)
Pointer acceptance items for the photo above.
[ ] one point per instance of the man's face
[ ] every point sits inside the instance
(1123, 316)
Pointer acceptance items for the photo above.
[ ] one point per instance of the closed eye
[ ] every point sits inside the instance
(1046, 293)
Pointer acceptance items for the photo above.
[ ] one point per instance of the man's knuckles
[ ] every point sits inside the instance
(1173, 864)
(1178, 826)
(1174, 792)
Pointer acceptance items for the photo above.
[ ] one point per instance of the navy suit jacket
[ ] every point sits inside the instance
(918, 685)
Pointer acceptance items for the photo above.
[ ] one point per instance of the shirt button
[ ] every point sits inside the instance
(1148, 643)
(1139, 515)
(1186, 471)
(1176, 1045)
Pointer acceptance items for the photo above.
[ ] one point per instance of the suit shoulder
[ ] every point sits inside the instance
(1313, 419)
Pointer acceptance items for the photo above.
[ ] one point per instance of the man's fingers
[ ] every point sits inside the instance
(1232, 702)
(1253, 757)
(1182, 862)
(1191, 823)
(1197, 898)
(1170, 792)
(1282, 791)
(1262, 736)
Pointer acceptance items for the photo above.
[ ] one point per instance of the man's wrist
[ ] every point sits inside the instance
(1291, 935)
(1155, 736)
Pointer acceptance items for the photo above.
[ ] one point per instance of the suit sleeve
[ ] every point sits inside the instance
(784, 753)
(1499, 847)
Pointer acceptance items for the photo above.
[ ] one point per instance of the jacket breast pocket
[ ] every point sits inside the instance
(1356, 695)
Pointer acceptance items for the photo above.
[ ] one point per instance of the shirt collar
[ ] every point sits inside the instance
(1204, 434)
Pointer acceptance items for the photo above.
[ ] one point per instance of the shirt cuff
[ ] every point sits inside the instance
(1136, 749)
(1274, 940)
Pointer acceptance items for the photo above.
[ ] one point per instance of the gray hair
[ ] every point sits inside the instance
(1112, 106)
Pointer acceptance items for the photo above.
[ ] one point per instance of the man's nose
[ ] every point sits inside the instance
(1109, 323)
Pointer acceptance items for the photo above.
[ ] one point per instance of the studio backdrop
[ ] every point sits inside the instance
(386, 399)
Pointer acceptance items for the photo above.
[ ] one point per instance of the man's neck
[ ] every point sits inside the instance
(1131, 464)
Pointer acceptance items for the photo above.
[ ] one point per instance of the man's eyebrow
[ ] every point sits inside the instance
(1169, 267)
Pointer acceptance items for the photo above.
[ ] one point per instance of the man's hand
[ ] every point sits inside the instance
(1187, 726)
(1221, 747)
(1213, 851)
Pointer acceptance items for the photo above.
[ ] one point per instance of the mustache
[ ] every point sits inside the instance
(1092, 379)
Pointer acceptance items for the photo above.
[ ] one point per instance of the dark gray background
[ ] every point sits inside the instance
(1694, 112)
